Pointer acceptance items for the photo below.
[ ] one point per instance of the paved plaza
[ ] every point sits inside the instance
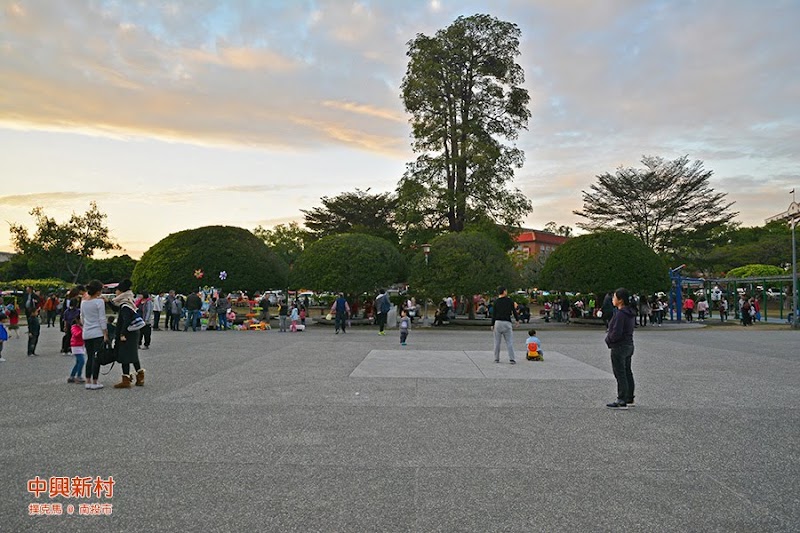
(267, 431)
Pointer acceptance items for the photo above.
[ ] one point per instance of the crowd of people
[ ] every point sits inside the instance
(89, 334)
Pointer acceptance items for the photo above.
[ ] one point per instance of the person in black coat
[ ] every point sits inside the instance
(620, 340)
(127, 342)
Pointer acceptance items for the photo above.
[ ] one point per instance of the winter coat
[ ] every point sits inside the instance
(620, 329)
(127, 350)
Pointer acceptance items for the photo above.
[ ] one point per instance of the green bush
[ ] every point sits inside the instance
(754, 271)
(171, 263)
(353, 263)
(463, 264)
(40, 285)
(602, 262)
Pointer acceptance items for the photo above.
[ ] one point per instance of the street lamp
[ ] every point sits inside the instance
(426, 249)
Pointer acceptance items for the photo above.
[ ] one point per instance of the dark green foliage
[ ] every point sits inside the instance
(354, 212)
(353, 263)
(663, 204)
(602, 262)
(463, 89)
(62, 249)
(462, 264)
(286, 240)
(171, 262)
(770, 244)
(15, 268)
(111, 269)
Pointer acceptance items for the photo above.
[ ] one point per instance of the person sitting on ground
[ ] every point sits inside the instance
(534, 346)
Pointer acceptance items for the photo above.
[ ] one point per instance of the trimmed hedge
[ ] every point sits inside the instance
(353, 263)
(754, 271)
(602, 262)
(171, 263)
(43, 285)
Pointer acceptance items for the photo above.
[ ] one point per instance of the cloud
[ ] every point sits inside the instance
(609, 81)
(49, 199)
(372, 111)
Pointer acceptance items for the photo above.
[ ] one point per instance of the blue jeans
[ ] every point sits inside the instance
(193, 318)
(76, 370)
(222, 318)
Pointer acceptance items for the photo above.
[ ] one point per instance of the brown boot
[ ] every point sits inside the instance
(140, 378)
(125, 383)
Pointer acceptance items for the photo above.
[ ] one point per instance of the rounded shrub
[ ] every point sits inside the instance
(247, 262)
(602, 262)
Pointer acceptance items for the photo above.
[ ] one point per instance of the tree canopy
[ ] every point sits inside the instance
(247, 262)
(62, 249)
(464, 263)
(287, 241)
(111, 269)
(351, 262)
(664, 201)
(354, 212)
(602, 262)
(464, 92)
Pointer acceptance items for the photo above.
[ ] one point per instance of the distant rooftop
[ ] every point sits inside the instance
(6, 256)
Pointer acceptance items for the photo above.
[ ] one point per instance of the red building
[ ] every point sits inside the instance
(534, 242)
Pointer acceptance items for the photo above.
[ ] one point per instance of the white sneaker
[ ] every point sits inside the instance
(97, 386)
(2, 359)
(88, 386)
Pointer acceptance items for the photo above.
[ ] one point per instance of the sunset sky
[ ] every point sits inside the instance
(175, 115)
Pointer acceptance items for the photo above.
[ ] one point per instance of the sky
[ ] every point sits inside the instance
(173, 115)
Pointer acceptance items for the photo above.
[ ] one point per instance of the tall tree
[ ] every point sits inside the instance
(663, 201)
(286, 240)
(63, 249)
(354, 212)
(463, 91)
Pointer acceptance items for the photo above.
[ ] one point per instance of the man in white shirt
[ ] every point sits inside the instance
(158, 306)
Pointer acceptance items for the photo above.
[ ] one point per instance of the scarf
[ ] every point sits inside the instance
(124, 298)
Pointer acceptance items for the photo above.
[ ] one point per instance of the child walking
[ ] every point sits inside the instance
(78, 349)
(534, 346)
(405, 324)
(295, 317)
(3, 334)
(13, 319)
(34, 328)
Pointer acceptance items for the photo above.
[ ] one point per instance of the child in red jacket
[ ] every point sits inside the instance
(78, 349)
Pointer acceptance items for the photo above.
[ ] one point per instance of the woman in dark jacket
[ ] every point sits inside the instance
(620, 339)
(127, 342)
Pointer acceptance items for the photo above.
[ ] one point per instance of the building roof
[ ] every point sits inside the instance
(542, 237)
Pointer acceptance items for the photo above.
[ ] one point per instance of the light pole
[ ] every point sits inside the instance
(793, 216)
(426, 249)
